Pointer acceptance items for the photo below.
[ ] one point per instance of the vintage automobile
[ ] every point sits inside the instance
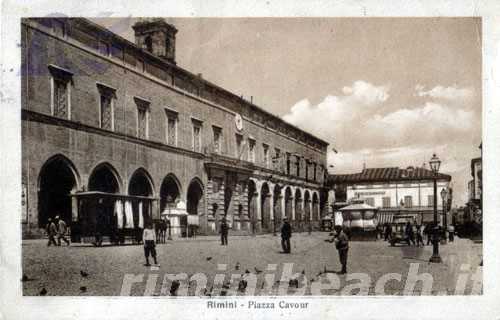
(398, 226)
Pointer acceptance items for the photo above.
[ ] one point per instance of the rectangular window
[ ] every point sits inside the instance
(251, 150)
(60, 101)
(171, 134)
(288, 163)
(265, 149)
(430, 201)
(197, 125)
(104, 48)
(297, 164)
(370, 201)
(217, 139)
(314, 171)
(277, 163)
(142, 118)
(307, 169)
(106, 107)
(239, 146)
(408, 202)
(386, 202)
(59, 28)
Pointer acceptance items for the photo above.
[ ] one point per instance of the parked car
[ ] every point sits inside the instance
(398, 226)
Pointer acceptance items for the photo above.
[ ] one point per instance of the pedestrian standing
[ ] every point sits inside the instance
(62, 228)
(420, 235)
(224, 230)
(388, 232)
(429, 230)
(149, 240)
(286, 234)
(409, 234)
(451, 232)
(51, 232)
(342, 246)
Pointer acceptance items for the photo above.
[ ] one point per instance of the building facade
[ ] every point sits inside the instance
(394, 191)
(108, 119)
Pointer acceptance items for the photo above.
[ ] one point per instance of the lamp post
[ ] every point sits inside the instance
(435, 163)
(444, 197)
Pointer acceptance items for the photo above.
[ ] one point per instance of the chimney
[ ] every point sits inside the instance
(157, 37)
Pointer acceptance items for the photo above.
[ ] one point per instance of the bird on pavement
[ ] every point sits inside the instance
(209, 258)
(83, 289)
(43, 292)
(83, 274)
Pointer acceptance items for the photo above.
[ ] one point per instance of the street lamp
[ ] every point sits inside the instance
(435, 163)
(444, 197)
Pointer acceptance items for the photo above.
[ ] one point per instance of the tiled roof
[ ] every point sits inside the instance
(386, 175)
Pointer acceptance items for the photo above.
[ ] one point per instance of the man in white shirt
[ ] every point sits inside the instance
(149, 238)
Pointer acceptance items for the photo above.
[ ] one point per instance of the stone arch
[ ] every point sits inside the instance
(307, 205)
(265, 205)
(252, 204)
(105, 178)
(298, 205)
(141, 183)
(194, 195)
(170, 191)
(57, 180)
(288, 195)
(316, 216)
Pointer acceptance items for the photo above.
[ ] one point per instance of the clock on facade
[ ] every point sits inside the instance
(238, 121)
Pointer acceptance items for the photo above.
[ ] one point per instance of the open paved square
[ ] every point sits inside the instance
(57, 269)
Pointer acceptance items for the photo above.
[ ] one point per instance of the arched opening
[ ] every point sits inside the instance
(170, 193)
(194, 207)
(316, 213)
(265, 205)
(277, 210)
(288, 203)
(307, 206)
(141, 185)
(57, 180)
(104, 179)
(252, 205)
(298, 209)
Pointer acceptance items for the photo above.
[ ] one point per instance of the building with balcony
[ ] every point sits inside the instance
(113, 126)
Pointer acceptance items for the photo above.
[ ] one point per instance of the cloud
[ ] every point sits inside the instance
(448, 93)
(366, 124)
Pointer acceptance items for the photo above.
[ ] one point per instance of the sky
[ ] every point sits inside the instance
(384, 92)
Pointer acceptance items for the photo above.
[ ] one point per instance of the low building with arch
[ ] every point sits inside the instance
(107, 118)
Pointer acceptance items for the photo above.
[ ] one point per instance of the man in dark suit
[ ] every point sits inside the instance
(286, 234)
(224, 230)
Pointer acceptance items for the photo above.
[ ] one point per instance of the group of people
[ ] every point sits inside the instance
(56, 229)
(415, 233)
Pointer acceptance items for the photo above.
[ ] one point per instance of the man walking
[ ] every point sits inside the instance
(286, 234)
(149, 238)
(224, 230)
(342, 245)
(51, 232)
(420, 235)
(409, 233)
(61, 231)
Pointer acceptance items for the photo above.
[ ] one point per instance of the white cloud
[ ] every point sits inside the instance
(364, 125)
(448, 93)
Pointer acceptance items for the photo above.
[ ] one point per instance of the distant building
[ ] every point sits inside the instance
(393, 190)
(474, 207)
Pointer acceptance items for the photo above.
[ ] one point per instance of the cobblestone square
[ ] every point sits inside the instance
(57, 269)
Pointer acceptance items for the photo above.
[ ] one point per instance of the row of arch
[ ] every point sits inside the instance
(59, 178)
(270, 202)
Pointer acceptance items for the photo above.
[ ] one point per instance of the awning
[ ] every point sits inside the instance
(384, 217)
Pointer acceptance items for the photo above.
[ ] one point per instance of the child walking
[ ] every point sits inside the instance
(149, 238)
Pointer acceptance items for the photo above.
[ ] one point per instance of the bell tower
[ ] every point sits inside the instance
(157, 37)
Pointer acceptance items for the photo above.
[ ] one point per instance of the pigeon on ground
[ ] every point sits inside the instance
(83, 274)
(83, 289)
(209, 258)
(25, 278)
(43, 292)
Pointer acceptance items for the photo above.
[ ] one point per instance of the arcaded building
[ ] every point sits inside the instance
(111, 126)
